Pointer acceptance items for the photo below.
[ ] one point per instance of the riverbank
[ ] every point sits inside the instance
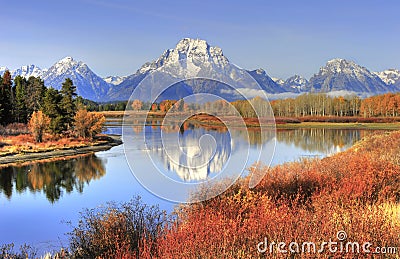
(280, 122)
(341, 125)
(207, 120)
(12, 153)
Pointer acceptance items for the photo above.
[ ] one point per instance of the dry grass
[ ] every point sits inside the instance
(357, 191)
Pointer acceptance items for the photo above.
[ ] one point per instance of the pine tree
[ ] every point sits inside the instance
(51, 101)
(20, 109)
(6, 98)
(67, 103)
(35, 94)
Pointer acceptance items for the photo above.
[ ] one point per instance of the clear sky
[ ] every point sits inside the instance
(283, 37)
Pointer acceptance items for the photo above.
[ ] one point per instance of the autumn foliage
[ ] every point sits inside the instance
(88, 124)
(38, 124)
(356, 191)
(384, 105)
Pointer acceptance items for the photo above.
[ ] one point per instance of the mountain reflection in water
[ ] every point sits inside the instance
(194, 161)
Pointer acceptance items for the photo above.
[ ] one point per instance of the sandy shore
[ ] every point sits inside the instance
(114, 140)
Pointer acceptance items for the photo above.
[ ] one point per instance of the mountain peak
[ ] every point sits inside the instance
(336, 60)
(28, 70)
(339, 65)
(389, 76)
(187, 43)
(67, 59)
(197, 46)
(260, 71)
(341, 74)
(192, 51)
(296, 83)
(88, 84)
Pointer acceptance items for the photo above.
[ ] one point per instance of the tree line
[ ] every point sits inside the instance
(19, 99)
(310, 104)
(45, 109)
(324, 105)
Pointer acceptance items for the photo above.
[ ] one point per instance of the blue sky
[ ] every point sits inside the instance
(283, 37)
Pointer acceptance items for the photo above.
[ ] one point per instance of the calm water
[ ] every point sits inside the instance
(37, 201)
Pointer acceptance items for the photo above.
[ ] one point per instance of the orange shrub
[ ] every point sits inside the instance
(88, 124)
(38, 124)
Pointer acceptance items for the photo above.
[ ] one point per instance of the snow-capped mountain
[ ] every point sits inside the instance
(24, 71)
(342, 75)
(114, 80)
(191, 58)
(88, 84)
(191, 50)
(389, 76)
(195, 53)
(295, 83)
(2, 70)
(27, 71)
(266, 82)
(278, 80)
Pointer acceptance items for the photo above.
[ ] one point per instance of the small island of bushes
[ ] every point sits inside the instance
(39, 119)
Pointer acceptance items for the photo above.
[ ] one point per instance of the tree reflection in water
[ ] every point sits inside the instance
(53, 178)
(321, 139)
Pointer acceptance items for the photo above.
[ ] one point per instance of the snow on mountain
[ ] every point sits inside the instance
(191, 58)
(389, 76)
(24, 71)
(266, 82)
(277, 80)
(114, 80)
(188, 58)
(88, 84)
(193, 51)
(2, 70)
(295, 83)
(27, 71)
(340, 74)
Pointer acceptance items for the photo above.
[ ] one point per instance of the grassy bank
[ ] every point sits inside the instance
(23, 148)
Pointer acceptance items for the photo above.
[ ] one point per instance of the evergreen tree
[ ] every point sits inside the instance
(35, 94)
(6, 98)
(67, 103)
(20, 109)
(51, 101)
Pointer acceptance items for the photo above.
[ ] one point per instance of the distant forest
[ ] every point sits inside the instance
(385, 105)
(305, 105)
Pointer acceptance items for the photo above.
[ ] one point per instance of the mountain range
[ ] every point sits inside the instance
(192, 56)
